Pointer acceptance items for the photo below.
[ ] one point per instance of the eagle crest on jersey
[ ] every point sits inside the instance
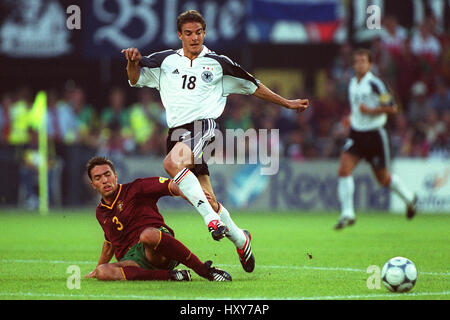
(207, 76)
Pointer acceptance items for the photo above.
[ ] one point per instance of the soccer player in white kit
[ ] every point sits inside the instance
(370, 104)
(193, 83)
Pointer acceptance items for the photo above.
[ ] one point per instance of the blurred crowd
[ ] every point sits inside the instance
(415, 64)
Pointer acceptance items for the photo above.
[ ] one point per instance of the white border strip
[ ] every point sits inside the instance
(147, 297)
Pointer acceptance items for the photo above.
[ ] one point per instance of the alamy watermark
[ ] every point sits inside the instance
(235, 147)
(74, 278)
(373, 21)
(374, 280)
(73, 21)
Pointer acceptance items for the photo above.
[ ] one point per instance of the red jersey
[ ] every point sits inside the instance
(133, 210)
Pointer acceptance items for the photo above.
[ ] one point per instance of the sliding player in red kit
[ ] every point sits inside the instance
(135, 231)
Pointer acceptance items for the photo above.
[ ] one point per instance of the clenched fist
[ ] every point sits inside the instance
(132, 54)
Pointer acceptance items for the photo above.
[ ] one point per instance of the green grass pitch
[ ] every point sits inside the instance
(298, 256)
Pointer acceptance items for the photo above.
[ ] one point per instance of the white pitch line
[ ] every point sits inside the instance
(45, 261)
(441, 274)
(146, 297)
(375, 295)
(332, 269)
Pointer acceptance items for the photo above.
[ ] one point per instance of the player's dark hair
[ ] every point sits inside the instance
(190, 16)
(98, 161)
(363, 52)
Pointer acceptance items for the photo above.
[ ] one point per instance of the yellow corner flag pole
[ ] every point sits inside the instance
(39, 117)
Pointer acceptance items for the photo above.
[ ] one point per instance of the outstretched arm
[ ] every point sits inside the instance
(105, 257)
(238, 81)
(268, 95)
(133, 57)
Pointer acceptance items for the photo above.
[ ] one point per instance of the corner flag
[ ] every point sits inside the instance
(38, 120)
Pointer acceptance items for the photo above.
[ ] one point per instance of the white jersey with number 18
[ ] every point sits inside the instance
(194, 89)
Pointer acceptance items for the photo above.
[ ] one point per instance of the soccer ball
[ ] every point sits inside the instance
(399, 274)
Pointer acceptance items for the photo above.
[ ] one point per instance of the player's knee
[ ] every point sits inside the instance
(384, 181)
(169, 166)
(150, 236)
(343, 172)
(108, 272)
(102, 272)
(172, 165)
(179, 157)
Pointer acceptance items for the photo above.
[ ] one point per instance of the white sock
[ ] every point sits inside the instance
(346, 190)
(235, 234)
(400, 189)
(191, 188)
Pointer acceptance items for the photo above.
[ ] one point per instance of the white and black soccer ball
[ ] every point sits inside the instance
(399, 274)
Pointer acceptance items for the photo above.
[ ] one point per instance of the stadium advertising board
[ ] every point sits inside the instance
(430, 179)
(297, 21)
(34, 29)
(334, 21)
(309, 185)
(100, 28)
(151, 25)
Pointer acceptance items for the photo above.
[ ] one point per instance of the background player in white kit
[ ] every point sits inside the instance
(193, 83)
(370, 104)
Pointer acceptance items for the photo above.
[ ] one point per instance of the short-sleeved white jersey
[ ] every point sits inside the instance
(194, 89)
(371, 92)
